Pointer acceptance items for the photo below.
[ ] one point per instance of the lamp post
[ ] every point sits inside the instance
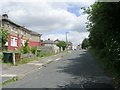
(67, 41)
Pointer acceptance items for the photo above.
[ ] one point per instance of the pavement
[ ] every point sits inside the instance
(8, 72)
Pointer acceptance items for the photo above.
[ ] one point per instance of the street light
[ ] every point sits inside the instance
(67, 41)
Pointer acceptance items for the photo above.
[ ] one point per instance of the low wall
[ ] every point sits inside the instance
(49, 49)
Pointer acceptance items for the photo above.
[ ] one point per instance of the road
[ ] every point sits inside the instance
(75, 70)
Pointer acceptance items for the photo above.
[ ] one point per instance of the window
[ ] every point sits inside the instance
(30, 36)
(23, 42)
(11, 28)
(13, 41)
(14, 29)
(23, 33)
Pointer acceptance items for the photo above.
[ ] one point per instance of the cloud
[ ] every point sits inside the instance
(49, 16)
(73, 36)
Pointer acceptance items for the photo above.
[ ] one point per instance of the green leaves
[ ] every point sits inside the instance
(85, 43)
(25, 49)
(62, 44)
(3, 37)
(104, 26)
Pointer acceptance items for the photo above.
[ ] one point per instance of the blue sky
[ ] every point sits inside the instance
(74, 9)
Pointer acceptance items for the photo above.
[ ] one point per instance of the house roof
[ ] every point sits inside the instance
(70, 43)
(49, 42)
(22, 27)
(35, 33)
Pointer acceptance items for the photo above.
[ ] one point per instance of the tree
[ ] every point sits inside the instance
(104, 29)
(62, 45)
(3, 37)
(85, 43)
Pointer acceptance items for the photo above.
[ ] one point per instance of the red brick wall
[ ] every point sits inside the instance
(31, 43)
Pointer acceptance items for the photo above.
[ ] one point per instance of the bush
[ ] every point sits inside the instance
(33, 50)
(25, 49)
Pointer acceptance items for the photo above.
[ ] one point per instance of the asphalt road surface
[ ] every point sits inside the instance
(75, 70)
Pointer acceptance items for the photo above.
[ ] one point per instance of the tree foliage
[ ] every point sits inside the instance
(104, 27)
(62, 45)
(85, 43)
(25, 48)
(3, 37)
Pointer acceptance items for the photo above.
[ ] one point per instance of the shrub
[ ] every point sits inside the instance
(25, 49)
(33, 50)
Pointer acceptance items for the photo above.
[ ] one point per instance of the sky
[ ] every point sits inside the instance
(51, 18)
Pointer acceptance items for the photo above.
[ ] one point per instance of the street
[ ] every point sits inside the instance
(75, 70)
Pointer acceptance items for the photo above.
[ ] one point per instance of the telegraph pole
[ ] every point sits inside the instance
(67, 41)
(1, 33)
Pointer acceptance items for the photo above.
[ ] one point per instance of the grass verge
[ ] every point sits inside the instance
(26, 60)
(45, 54)
(109, 70)
(1, 56)
(13, 79)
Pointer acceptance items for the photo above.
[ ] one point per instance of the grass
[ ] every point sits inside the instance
(1, 55)
(9, 81)
(109, 70)
(45, 54)
(22, 61)
(26, 60)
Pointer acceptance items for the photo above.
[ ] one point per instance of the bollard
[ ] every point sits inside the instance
(14, 58)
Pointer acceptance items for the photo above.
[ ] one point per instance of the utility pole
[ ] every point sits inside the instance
(1, 33)
(67, 41)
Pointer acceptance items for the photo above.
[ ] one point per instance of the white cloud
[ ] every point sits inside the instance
(48, 16)
(73, 36)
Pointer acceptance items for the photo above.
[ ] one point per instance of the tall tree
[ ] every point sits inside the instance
(85, 43)
(104, 26)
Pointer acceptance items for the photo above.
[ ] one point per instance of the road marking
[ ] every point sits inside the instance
(8, 75)
(57, 59)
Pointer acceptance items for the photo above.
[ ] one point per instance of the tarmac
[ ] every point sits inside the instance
(9, 72)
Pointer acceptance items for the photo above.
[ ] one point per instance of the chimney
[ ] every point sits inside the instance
(4, 16)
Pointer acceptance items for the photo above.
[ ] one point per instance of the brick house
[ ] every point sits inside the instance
(19, 34)
(70, 45)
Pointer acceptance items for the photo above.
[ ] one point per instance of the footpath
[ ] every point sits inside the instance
(9, 72)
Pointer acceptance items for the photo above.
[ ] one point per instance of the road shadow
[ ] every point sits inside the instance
(85, 72)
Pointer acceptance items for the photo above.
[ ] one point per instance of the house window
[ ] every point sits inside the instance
(14, 29)
(13, 41)
(30, 36)
(23, 42)
(8, 25)
(23, 33)
(11, 28)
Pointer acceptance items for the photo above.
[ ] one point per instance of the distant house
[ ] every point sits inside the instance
(70, 45)
(19, 34)
(51, 44)
(79, 47)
